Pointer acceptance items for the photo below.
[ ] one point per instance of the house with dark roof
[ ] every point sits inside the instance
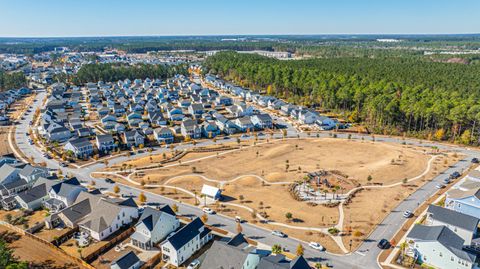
(164, 135)
(81, 147)
(262, 121)
(185, 242)
(463, 225)
(105, 143)
(128, 261)
(33, 198)
(439, 247)
(133, 138)
(154, 226)
(63, 194)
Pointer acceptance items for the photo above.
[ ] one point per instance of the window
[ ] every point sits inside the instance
(452, 259)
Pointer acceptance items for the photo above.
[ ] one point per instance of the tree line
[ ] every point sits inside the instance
(411, 96)
(115, 72)
(13, 80)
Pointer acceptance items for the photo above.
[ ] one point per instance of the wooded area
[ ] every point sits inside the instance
(12, 81)
(393, 95)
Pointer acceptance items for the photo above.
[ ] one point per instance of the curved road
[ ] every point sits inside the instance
(365, 257)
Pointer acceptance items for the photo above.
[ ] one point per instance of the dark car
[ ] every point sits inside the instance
(454, 175)
(383, 244)
(109, 180)
(475, 160)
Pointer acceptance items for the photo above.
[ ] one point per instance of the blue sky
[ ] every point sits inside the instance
(38, 18)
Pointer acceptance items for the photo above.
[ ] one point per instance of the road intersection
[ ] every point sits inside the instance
(364, 257)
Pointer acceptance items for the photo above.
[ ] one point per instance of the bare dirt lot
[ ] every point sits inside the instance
(281, 162)
(287, 161)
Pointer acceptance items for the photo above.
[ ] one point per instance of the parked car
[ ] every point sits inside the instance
(383, 244)
(62, 164)
(455, 175)
(238, 219)
(316, 246)
(440, 186)
(407, 214)
(475, 160)
(208, 210)
(446, 181)
(109, 180)
(194, 264)
(279, 234)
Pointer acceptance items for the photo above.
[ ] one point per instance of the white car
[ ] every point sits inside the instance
(194, 264)
(208, 210)
(407, 214)
(440, 186)
(279, 234)
(316, 246)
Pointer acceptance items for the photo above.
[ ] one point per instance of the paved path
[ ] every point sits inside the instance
(365, 257)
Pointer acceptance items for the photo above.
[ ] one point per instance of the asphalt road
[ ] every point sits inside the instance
(365, 257)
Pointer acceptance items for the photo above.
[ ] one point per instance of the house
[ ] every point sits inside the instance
(244, 124)
(154, 226)
(196, 110)
(63, 194)
(326, 123)
(279, 261)
(97, 215)
(175, 114)
(105, 143)
(190, 129)
(133, 138)
(210, 129)
(461, 224)
(185, 242)
(438, 246)
(33, 198)
(223, 101)
(466, 202)
(127, 261)
(164, 135)
(233, 254)
(81, 147)
(57, 132)
(211, 192)
(32, 173)
(262, 121)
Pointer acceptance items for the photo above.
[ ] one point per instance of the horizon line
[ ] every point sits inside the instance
(243, 35)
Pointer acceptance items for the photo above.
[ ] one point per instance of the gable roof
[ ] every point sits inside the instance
(222, 255)
(186, 233)
(453, 217)
(34, 193)
(444, 236)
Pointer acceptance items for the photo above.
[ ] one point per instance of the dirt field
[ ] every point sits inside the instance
(237, 174)
(4, 147)
(370, 206)
(31, 250)
(386, 163)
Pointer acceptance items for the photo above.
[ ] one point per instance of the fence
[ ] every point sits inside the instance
(152, 262)
(78, 261)
(92, 256)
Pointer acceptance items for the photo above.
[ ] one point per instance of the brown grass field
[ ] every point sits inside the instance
(386, 163)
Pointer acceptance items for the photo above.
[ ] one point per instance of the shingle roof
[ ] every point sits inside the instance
(453, 217)
(221, 255)
(33, 194)
(444, 236)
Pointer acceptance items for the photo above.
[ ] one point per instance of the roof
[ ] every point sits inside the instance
(299, 263)
(33, 194)
(452, 217)
(459, 194)
(274, 262)
(151, 216)
(210, 190)
(80, 142)
(221, 255)
(474, 174)
(444, 236)
(186, 233)
(126, 261)
(104, 138)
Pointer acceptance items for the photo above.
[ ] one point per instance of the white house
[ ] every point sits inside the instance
(466, 202)
(463, 225)
(440, 247)
(154, 226)
(184, 243)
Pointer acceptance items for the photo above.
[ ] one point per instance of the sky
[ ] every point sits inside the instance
(62, 18)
